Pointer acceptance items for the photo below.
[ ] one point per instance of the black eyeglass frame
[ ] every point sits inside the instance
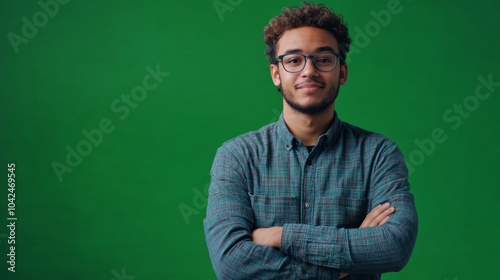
(306, 56)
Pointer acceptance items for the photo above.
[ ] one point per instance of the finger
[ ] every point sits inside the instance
(384, 220)
(374, 214)
(385, 214)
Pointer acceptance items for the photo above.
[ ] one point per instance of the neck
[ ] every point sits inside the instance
(307, 128)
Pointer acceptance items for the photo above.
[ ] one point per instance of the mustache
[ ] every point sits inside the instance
(310, 81)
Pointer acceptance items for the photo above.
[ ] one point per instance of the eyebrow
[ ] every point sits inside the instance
(320, 49)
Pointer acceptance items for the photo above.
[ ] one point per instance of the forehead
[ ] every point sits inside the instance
(307, 39)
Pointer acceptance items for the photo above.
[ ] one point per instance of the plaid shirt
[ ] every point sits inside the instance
(268, 178)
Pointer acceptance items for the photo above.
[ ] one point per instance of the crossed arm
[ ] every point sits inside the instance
(272, 236)
(383, 242)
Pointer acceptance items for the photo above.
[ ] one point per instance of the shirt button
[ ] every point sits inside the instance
(307, 205)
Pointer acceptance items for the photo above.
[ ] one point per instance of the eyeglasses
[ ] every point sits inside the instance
(296, 62)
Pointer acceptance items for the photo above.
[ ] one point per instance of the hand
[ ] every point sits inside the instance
(272, 236)
(268, 236)
(377, 217)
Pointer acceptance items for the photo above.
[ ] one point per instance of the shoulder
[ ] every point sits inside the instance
(366, 140)
(360, 134)
(374, 148)
(251, 142)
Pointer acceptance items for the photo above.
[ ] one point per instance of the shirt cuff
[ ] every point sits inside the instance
(292, 241)
(316, 245)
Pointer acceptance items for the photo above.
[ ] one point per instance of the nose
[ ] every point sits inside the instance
(309, 69)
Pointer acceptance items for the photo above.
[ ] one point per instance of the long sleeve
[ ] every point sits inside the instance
(228, 227)
(368, 250)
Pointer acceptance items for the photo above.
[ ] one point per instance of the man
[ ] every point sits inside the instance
(310, 196)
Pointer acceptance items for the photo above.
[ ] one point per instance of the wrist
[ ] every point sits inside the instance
(278, 231)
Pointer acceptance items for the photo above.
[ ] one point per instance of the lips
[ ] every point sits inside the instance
(310, 87)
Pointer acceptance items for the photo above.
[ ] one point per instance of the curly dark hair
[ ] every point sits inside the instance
(315, 15)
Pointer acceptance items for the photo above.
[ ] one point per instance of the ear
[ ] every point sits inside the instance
(343, 74)
(275, 74)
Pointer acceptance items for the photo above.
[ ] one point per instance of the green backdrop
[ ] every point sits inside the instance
(112, 112)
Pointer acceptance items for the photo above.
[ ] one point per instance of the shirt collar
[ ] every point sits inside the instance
(327, 139)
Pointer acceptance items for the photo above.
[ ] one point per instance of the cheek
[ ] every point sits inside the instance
(333, 80)
(288, 79)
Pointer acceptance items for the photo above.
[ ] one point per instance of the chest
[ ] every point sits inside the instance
(320, 189)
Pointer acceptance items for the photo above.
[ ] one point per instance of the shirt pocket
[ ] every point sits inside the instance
(340, 211)
(274, 210)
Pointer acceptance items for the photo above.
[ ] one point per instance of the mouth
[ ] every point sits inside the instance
(310, 87)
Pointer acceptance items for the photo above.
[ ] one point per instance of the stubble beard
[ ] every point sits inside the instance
(313, 109)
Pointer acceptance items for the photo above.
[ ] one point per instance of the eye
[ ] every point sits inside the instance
(324, 60)
(293, 59)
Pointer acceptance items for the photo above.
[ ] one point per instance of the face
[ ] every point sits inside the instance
(310, 91)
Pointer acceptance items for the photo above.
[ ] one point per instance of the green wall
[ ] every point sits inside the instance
(112, 162)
